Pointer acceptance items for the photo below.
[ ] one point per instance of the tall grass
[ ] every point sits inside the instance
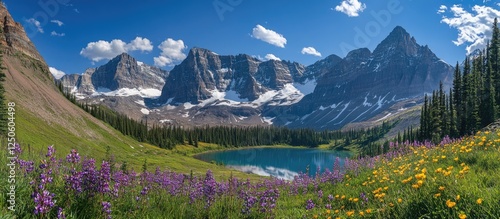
(455, 179)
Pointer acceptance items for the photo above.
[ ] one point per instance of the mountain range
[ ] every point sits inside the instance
(208, 88)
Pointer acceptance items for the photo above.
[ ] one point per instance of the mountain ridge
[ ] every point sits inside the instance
(208, 88)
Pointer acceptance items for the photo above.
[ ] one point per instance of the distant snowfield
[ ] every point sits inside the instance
(126, 92)
(289, 95)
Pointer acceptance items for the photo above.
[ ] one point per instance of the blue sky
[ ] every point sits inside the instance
(73, 35)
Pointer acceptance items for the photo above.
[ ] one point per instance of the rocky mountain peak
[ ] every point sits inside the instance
(398, 41)
(364, 84)
(124, 71)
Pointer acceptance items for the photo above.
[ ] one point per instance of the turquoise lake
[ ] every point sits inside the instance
(284, 163)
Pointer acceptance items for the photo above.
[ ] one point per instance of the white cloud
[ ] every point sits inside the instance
(102, 50)
(268, 36)
(139, 43)
(272, 57)
(310, 51)
(442, 9)
(58, 74)
(58, 22)
(474, 29)
(171, 52)
(351, 7)
(35, 23)
(53, 33)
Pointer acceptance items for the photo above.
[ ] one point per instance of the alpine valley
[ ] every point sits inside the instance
(360, 90)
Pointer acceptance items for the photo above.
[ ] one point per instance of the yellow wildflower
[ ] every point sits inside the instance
(462, 216)
(441, 188)
(450, 203)
(479, 201)
(350, 213)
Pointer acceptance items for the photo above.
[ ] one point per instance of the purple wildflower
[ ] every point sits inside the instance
(106, 208)
(17, 149)
(267, 201)
(60, 214)
(73, 157)
(330, 197)
(310, 204)
(43, 201)
(209, 188)
(320, 194)
(249, 201)
(104, 178)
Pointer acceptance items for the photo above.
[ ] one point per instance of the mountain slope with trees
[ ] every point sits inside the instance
(474, 100)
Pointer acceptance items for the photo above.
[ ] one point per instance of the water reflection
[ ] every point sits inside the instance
(267, 171)
(284, 163)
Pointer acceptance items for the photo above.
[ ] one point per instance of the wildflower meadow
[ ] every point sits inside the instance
(453, 179)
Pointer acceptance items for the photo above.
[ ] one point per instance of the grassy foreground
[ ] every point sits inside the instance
(457, 179)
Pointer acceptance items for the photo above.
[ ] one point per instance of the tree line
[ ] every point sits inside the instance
(472, 102)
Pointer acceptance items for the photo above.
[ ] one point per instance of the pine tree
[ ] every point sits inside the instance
(493, 57)
(464, 111)
(488, 106)
(453, 131)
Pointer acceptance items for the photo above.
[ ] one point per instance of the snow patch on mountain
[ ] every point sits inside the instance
(145, 111)
(140, 102)
(381, 101)
(127, 92)
(385, 117)
(268, 120)
(338, 115)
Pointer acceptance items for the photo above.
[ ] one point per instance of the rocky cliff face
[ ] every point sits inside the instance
(122, 72)
(204, 73)
(12, 34)
(364, 84)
